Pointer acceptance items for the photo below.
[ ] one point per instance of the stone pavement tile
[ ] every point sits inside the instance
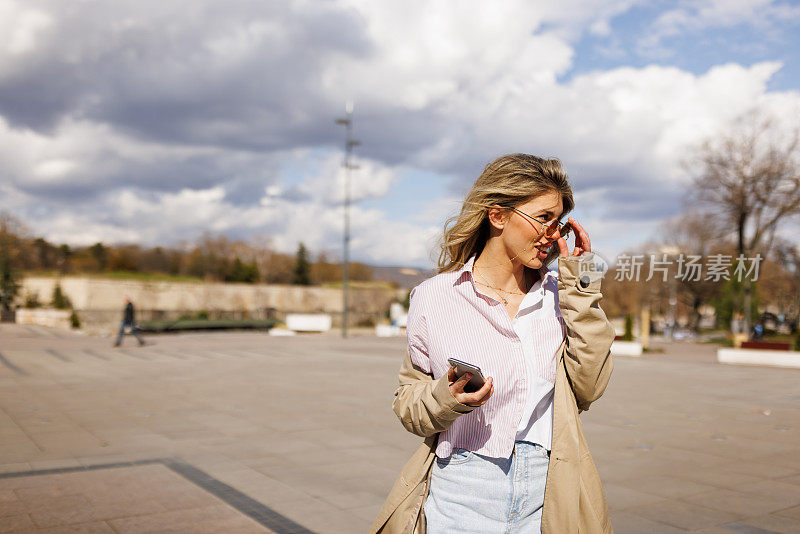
(207, 460)
(380, 483)
(31, 481)
(684, 515)
(15, 467)
(307, 479)
(352, 469)
(10, 504)
(270, 492)
(96, 527)
(787, 494)
(37, 465)
(275, 444)
(773, 523)
(737, 502)
(627, 523)
(348, 497)
(16, 523)
(793, 512)
(19, 453)
(333, 438)
(55, 511)
(320, 516)
(31, 495)
(765, 469)
(209, 519)
(183, 496)
(393, 458)
(720, 477)
(277, 460)
(742, 449)
(368, 513)
(791, 459)
(113, 458)
(665, 486)
(629, 469)
(620, 497)
(113, 509)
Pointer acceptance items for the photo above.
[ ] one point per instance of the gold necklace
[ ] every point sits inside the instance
(496, 289)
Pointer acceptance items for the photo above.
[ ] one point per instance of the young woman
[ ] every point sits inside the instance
(511, 456)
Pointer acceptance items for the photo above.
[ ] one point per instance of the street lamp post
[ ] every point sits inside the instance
(348, 166)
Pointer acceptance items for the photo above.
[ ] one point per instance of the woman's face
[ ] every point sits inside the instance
(521, 234)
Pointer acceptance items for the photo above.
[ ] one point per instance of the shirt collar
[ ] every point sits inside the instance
(465, 273)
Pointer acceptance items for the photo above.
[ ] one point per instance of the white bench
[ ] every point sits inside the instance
(303, 322)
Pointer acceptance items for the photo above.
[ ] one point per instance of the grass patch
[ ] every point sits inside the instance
(361, 285)
(146, 277)
(720, 340)
(120, 275)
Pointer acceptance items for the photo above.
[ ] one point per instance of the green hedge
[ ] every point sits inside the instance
(206, 324)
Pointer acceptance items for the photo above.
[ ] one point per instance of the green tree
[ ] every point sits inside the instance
(64, 256)
(628, 328)
(242, 272)
(407, 301)
(100, 254)
(8, 284)
(46, 254)
(302, 268)
(11, 233)
(60, 300)
(728, 301)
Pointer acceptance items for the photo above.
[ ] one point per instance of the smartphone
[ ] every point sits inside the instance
(477, 380)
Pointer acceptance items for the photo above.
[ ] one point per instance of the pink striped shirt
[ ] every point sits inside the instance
(449, 317)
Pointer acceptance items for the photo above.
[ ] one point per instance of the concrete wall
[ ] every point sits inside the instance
(99, 302)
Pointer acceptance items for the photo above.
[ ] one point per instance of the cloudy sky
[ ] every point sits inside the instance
(151, 121)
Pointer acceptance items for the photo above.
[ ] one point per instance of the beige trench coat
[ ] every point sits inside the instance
(574, 499)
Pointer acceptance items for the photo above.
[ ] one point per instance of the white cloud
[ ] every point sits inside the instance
(154, 127)
(696, 15)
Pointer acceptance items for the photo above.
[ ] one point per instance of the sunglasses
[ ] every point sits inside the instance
(549, 229)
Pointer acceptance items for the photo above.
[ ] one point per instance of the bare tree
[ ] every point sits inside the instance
(693, 233)
(749, 176)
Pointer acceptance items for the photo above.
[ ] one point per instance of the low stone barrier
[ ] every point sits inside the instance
(45, 317)
(626, 348)
(773, 358)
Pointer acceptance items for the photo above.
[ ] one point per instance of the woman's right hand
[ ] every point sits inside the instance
(476, 398)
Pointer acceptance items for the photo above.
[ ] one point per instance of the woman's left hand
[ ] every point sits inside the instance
(582, 243)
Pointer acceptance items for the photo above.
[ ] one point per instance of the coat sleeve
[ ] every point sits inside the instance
(425, 406)
(587, 357)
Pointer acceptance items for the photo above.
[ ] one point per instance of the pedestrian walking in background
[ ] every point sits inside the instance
(128, 322)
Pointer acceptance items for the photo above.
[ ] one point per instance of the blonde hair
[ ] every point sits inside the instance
(508, 181)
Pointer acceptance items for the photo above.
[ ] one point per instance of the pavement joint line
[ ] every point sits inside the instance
(58, 355)
(18, 370)
(168, 353)
(91, 352)
(262, 514)
(257, 511)
(129, 353)
(747, 529)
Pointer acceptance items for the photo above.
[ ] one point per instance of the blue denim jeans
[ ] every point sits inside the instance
(470, 493)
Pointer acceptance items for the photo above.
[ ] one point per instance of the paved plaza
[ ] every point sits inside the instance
(243, 432)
